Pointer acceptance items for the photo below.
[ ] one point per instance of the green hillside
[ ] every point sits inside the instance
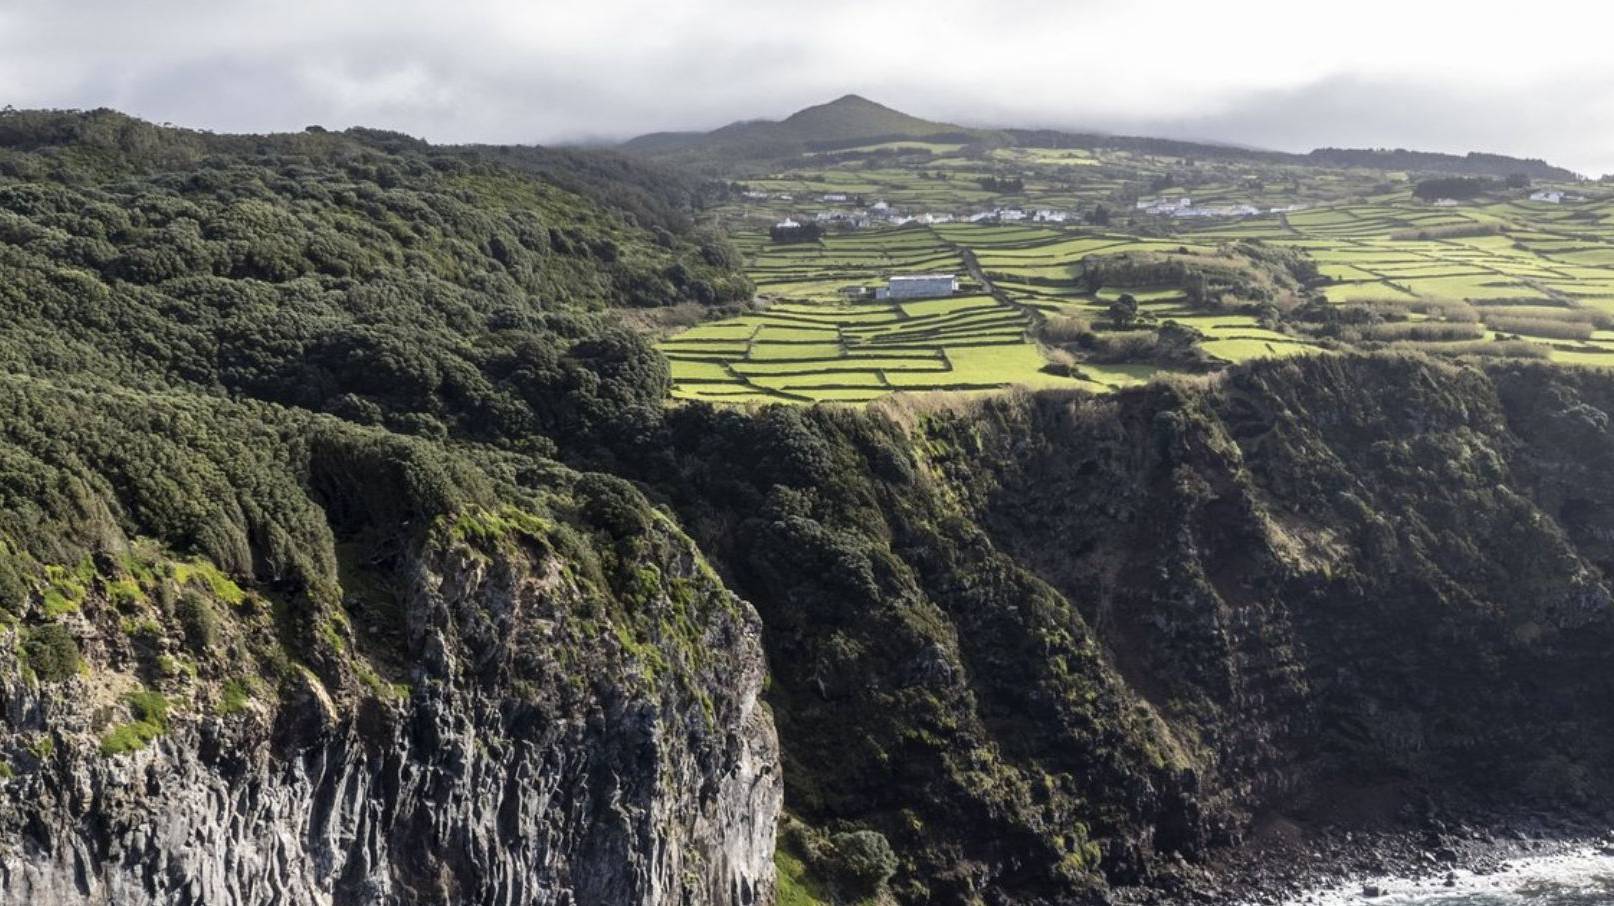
(845, 122)
(854, 117)
(264, 359)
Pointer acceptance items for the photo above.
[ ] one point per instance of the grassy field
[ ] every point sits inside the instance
(1526, 277)
(810, 342)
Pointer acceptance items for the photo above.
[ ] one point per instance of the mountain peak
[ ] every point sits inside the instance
(855, 116)
(838, 123)
(846, 104)
(854, 100)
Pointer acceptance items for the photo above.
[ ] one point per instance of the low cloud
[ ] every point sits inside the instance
(1256, 72)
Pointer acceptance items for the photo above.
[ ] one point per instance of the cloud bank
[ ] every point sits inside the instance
(1534, 81)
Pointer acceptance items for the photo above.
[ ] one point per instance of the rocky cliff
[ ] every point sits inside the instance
(514, 706)
(1047, 644)
(1026, 649)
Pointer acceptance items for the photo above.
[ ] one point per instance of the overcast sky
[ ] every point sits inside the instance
(1533, 79)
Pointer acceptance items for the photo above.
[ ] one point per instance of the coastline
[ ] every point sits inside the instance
(1336, 866)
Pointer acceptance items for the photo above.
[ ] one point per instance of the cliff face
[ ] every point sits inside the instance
(1052, 641)
(1346, 570)
(1020, 650)
(560, 740)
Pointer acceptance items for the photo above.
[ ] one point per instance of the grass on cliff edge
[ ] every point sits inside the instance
(795, 887)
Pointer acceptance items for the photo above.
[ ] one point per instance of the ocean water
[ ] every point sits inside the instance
(1584, 878)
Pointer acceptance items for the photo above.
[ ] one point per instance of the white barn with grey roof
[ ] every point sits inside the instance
(918, 286)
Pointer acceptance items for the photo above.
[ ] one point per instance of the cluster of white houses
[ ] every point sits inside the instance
(882, 213)
(1548, 196)
(1553, 196)
(1184, 207)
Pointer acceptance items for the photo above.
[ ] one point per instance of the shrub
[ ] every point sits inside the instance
(15, 585)
(1499, 349)
(199, 620)
(1122, 346)
(1065, 329)
(51, 652)
(864, 860)
(233, 698)
(1422, 331)
(150, 711)
(1554, 328)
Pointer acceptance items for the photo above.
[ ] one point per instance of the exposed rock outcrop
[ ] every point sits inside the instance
(556, 744)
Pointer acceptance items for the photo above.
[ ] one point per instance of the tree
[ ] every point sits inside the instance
(1124, 311)
(802, 232)
(1457, 187)
(864, 861)
(1100, 216)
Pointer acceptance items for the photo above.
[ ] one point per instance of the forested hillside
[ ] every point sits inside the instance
(362, 274)
(351, 551)
(281, 549)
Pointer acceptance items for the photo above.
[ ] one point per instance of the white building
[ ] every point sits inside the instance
(880, 206)
(1445, 203)
(918, 286)
(834, 196)
(1226, 210)
(1547, 195)
(1046, 216)
(1008, 215)
(1168, 206)
(756, 196)
(787, 224)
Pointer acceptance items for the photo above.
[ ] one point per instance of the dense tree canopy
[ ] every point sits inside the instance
(253, 350)
(364, 274)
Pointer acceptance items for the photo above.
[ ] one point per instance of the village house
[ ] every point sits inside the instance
(1547, 195)
(1226, 210)
(1168, 206)
(787, 224)
(918, 286)
(834, 196)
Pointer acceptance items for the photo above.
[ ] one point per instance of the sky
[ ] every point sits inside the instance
(1532, 79)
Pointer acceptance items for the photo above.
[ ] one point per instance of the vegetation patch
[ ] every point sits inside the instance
(51, 652)
(150, 712)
